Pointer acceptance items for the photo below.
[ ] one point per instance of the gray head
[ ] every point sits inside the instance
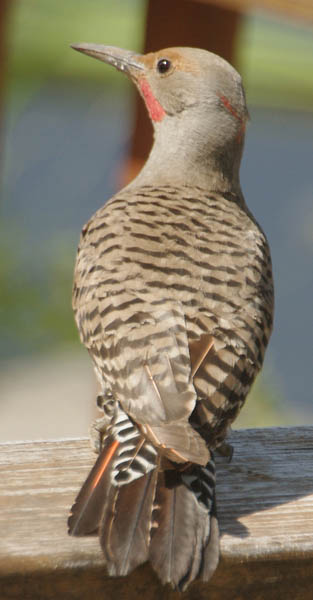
(196, 103)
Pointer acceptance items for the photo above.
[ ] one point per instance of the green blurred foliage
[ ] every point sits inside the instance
(275, 57)
(41, 33)
(264, 406)
(35, 303)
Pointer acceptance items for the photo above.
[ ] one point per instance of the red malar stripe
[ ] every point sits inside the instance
(156, 111)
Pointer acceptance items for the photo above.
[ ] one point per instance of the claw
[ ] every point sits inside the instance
(97, 431)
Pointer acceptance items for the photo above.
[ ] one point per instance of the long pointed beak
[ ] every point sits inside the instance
(123, 60)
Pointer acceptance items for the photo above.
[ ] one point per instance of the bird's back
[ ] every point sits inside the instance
(172, 282)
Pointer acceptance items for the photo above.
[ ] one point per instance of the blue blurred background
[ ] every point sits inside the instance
(67, 123)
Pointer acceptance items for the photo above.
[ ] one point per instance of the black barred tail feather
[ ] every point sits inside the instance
(126, 525)
(166, 516)
(125, 457)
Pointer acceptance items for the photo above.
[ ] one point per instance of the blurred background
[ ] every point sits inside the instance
(67, 127)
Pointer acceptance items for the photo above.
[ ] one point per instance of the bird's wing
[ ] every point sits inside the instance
(142, 353)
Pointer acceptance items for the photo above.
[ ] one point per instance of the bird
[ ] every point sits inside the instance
(173, 298)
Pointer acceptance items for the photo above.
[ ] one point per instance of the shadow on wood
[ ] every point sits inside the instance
(265, 512)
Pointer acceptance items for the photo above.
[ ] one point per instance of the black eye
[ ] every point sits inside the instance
(164, 65)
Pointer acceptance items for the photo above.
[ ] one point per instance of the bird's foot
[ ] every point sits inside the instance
(97, 432)
(99, 427)
(226, 450)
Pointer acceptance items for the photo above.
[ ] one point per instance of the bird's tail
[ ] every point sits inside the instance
(146, 509)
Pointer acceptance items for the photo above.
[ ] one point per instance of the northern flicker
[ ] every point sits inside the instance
(173, 297)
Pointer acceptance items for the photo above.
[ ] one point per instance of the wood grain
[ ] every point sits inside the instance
(265, 503)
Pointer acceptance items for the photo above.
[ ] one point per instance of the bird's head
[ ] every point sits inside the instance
(194, 98)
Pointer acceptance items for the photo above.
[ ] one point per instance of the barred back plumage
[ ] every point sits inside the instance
(160, 268)
(173, 298)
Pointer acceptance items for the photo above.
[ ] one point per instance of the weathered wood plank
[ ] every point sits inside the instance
(265, 501)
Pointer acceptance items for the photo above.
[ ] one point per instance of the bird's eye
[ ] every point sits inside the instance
(164, 65)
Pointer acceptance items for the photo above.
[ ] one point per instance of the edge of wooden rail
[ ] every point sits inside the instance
(265, 507)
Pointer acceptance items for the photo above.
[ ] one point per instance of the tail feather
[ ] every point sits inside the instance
(125, 456)
(184, 527)
(86, 512)
(145, 507)
(177, 543)
(125, 529)
(211, 553)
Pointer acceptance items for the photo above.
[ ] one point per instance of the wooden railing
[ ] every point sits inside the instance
(265, 506)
